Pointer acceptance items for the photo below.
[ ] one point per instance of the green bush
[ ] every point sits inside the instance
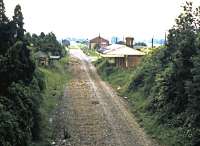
(164, 88)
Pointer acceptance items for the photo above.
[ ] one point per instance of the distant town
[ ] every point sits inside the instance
(115, 40)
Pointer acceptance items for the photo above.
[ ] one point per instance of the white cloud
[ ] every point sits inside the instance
(140, 18)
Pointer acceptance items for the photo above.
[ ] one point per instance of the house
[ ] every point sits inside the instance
(98, 42)
(123, 55)
(42, 58)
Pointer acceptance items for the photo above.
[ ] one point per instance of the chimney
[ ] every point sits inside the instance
(129, 41)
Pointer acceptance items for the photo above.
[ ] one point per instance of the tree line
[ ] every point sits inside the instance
(46, 43)
(169, 78)
(21, 83)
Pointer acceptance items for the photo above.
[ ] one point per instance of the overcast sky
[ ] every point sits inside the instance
(139, 18)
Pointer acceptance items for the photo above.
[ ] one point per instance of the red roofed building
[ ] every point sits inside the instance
(98, 42)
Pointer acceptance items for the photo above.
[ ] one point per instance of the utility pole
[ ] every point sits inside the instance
(99, 42)
(152, 42)
(165, 43)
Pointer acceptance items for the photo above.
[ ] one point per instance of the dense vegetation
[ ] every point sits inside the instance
(46, 43)
(56, 78)
(140, 44)
(22, 83)
(164, 88)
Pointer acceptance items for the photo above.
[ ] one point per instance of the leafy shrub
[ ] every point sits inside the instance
(104, 67)
(20, 85)
(169, 78)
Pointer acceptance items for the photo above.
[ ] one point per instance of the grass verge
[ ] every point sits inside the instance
(56, 78)
(90, 52)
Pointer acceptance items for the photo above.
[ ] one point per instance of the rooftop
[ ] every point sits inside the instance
(117, 50)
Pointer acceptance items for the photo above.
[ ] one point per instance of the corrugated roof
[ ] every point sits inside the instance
(114, 46)
(122, 50)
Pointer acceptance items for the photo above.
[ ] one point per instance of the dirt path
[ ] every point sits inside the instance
(95, 115)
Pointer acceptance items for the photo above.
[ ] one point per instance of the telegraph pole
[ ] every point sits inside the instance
(165, 43)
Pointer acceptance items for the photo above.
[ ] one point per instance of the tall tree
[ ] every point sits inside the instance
(5, 29)
(3, 18)
(18, 20)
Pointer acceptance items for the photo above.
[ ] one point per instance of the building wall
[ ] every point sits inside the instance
(120, 62)
(128, 61)
(100, 41)
(133, 60)
(104, 44)
(92, 45)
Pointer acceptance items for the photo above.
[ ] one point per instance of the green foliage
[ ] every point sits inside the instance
(18, 63)
(18, 20)
(104, 67)
(164, 88)
(90, 52)
(118, 77)
(20, 84)
(55, 80)
(170, 79)
(46, 43)
(3, 18)
(21, 107)
(140, 44)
